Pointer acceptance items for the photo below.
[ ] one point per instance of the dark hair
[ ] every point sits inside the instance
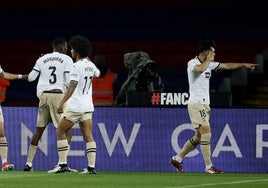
(206, 45)
(81, 45)
(57, 42)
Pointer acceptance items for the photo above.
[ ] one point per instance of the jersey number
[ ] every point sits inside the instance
(203, 114)
(88, 81)
(53, 78)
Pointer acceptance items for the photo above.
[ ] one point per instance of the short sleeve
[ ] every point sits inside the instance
(214, 65)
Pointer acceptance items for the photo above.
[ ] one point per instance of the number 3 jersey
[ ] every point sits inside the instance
(53, 70)
(82, 73)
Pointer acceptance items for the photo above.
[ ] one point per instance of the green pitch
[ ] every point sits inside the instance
(41, 179)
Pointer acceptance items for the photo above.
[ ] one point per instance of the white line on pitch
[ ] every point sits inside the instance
(223, 183)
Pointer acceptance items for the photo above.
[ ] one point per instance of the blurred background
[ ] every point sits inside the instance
(167, 30)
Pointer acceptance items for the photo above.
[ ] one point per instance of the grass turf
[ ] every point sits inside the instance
(41, 179)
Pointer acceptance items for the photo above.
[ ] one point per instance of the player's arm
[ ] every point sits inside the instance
(97, 73)
(10, 76)
(231, 66)
(202, 67)
(209, 56)
(68, 94)
(32, 75)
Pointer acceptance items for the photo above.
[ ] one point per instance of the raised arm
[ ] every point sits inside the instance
(231, 66)
(206, 57)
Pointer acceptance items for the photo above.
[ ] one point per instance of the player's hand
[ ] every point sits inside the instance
(251, 66)
(60, 109)
(24, 77)
(210, 56)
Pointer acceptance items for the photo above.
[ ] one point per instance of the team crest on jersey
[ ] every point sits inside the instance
(207, 74)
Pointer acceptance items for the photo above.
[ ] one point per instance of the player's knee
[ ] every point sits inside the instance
(195, 140)
(205, 138)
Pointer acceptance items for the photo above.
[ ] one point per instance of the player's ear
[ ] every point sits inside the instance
(206, 53)
(62, 49)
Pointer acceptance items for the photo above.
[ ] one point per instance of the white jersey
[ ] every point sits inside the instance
(53, 70)
(199, 83)
(83, 73)
(1, 70)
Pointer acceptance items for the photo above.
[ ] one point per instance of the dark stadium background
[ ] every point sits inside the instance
(167, 30)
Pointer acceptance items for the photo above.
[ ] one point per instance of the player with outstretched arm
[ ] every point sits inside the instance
(199, 73)
(52, 71)
(6, 166)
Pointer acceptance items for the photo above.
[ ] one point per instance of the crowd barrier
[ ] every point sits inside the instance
(144, 139)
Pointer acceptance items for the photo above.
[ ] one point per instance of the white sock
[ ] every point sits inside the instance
(177, 158)
(208, 166)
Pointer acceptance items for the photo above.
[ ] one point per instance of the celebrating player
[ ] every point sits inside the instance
(78, 105)
(199, 73)
(3, 141)
(53, 70)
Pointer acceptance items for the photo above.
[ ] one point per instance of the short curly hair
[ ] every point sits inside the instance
(80, 45)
